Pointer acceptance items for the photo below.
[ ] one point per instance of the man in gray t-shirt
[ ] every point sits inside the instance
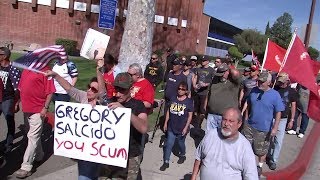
(224, 153)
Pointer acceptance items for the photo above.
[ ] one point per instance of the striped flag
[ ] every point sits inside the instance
(40, 58)
(255, 60)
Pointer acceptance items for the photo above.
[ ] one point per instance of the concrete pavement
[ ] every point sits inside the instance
(58, 168)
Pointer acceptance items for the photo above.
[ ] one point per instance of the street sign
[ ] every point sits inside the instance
(107, 14)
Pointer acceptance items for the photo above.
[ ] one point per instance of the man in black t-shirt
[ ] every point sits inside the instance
(170, 58)
(10, 77)
(289, 98)
(139, 125)
(201, 82)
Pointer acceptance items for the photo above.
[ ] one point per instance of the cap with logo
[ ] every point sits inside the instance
(123, 80)
(265, 76)
(254, 68)
(204, 58)
(193, 58)
(221, 69)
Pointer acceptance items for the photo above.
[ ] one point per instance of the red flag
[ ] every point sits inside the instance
(273, 58)
(255, 60)
(316, 67)
(314, 107)
(298, 65)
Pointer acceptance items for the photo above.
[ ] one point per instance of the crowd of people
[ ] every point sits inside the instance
(247, 114)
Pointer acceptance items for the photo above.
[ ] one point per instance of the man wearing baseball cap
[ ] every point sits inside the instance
(248, 84)
(193, 60)
(265, 105)
(289, 98)
(139, 125)
(223, 93)
(201, 81)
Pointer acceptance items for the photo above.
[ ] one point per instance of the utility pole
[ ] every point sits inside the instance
(136, 45)
(309, 25)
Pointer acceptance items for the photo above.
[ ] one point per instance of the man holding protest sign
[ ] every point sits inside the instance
(139, 125)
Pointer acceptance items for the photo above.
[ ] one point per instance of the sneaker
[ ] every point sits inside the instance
(21, 174)
(181, 159)
(300, 135)
(259, 169)
(164, 166)
(292, 132)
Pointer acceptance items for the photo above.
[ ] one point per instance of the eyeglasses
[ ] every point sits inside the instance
(93, 89)
(182, 89)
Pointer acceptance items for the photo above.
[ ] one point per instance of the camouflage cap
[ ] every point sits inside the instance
(123, 80)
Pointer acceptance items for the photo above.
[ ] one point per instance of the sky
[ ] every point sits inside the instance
(255, 14)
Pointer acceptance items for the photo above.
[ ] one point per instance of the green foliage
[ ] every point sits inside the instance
(267, 31)
(281, 32)
(234, 53)
(314, 53)
(250, 39)
(69, 45)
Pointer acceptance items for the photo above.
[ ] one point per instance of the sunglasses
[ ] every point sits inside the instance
(182, 89)
(93, 89)
(259, 96)
(154, 58)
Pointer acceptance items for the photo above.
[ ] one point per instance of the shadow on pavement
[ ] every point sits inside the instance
(186, 177)
(15, 157)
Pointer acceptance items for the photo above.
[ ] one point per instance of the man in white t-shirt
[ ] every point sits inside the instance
(224, 153)
(68, 70)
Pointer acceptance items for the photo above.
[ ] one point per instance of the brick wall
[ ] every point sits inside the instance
(23, 25)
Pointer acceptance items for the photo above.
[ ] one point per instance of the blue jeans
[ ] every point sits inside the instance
(6, 107)
(275, 149)
(171, 137)
(88, 170)
(213, 121)
(61, 97)
(304, 121)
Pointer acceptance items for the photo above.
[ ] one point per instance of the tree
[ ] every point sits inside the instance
(250, 39)
(314, 53)
(267, 31)
(235, 54)
(136, 45)
(280, 32)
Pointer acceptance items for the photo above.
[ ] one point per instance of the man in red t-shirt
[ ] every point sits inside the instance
(35, 92)
(110, 70)
(142, 89)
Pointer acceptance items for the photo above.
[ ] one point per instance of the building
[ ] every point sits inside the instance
(180, 24)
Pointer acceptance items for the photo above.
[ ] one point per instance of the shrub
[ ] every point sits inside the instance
(69, 45)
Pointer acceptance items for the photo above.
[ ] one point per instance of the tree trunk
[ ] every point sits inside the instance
(136, 45)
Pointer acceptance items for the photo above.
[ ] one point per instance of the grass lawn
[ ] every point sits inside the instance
(86, 71)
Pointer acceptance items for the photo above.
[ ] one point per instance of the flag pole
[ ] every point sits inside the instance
(265, 55)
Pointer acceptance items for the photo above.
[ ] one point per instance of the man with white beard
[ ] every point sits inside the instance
(224, 153)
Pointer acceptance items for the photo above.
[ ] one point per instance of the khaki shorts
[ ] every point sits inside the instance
(259, 140)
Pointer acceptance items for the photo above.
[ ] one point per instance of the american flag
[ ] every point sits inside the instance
(39, 58)
(255, 60)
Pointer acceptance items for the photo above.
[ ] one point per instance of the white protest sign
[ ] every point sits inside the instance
(93, 41)
(92, 134)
